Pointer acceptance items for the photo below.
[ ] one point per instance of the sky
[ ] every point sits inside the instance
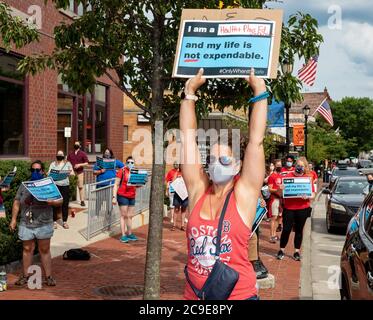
(345, 64)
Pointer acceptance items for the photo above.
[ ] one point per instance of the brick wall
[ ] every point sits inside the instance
(41, 100)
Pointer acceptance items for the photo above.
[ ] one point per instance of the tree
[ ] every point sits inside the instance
(353, 116)
(134, 43)
(13, 30)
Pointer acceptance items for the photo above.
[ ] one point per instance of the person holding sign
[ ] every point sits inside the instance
(36, 224)
(125, 196)
(170, 192)
(105, 175)
(63, 170)
(219, 194)
(296, 209)
(180, 201)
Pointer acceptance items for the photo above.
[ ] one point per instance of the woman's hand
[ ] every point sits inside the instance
(192, 85)
(13, 225)
(263, 203)
(257, 84)
(114, 201)
(304, 197)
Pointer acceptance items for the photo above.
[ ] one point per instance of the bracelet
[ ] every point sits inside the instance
(259, 97)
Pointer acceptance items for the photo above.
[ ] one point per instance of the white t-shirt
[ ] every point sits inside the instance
(64, 165)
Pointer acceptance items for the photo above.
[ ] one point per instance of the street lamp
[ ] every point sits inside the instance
(287, 68)
(306, 112)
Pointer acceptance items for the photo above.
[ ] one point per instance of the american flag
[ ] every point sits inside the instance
(325, 111)
(307, 73)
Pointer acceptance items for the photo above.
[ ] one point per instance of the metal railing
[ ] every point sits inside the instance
(102, 215)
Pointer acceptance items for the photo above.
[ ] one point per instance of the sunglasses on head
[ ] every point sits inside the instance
(35, 169)
(224, 160)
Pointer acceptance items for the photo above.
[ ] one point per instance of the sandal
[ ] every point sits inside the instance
(22, 280)
(173, 228)
(50, 281)
(65, 225)
(55, 225)
(182, 228)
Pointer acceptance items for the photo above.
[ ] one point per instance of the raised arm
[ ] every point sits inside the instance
(194, 176)
(253, 169)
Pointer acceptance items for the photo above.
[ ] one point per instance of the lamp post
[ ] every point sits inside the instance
(306, 112)
(287, 68)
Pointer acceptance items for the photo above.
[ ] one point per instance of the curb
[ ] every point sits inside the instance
(14, 266)
(305, 283)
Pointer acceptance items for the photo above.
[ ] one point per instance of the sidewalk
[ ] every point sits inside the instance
(115, 263)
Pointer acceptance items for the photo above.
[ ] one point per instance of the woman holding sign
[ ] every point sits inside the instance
(219, 194)
(125, 195)
(64, 169)
(296, 210)
(36, 223)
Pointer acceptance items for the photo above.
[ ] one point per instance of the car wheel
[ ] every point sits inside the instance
(329, 228)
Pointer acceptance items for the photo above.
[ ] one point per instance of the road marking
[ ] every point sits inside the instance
(329, 255)
(329, 245)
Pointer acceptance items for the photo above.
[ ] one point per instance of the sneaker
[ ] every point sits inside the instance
(279, 228)
(124, 239)
(82, 203)
(260, 270)
(296, 256)
(280, 255)
(55, 225)
(132, 237)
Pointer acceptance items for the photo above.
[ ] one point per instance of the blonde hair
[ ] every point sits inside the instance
(306, 166)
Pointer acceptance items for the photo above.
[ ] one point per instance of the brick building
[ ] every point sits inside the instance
(35, 110)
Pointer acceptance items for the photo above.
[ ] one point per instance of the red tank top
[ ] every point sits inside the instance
(201, 236)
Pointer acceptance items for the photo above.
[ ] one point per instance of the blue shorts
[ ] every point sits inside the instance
(123, 201)
(178, 203)
(40, 233)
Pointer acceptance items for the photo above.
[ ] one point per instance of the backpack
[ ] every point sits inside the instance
(76, 254)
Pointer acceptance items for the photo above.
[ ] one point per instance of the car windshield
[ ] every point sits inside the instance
(343, 173)
(351, 187)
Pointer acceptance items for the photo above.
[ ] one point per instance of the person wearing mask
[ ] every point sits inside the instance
(274, 206)
(170, 193)
(314, 176)
(105, 175)
(296, 211)
(36, 224)
(289, 165)
(125, 196)
(370, 181)
(79, 160)
(206, 199)
(61, 164)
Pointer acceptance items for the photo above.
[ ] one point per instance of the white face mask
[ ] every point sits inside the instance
(220, 174)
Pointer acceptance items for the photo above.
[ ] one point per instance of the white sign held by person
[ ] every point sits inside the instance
(180, 188)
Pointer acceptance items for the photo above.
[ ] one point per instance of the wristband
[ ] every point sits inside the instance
(259, 97)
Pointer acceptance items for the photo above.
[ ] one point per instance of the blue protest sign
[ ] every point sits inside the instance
(296, 187)
(43, 190)
(137, 177)
(107, 164)
(259, 215)
(275, 115)
(8, 179)
(225, 49)
(58, 175)
(2, 211)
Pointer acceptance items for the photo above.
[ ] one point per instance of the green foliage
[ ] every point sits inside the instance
(353, 116)
(13, 30)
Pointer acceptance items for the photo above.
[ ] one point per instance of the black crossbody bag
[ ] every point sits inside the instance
(222, 278)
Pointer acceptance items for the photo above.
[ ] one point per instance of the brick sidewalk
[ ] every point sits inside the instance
(115, 263)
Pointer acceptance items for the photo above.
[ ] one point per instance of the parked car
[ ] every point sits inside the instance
(357, 255)
(364, 164)
(341, 171)
(343, 201)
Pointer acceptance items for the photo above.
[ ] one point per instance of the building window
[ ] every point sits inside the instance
(125, 133)
(89, 116)
(79, 9)
(12, 106)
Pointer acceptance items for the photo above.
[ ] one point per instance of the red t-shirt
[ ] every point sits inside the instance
(314, 176)
(274, 181)
(285, 170)
(201, 237)
(124, 190)
(77, 158)
(172, 175)
(297, 203)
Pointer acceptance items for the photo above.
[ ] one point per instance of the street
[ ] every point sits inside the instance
(325, 252)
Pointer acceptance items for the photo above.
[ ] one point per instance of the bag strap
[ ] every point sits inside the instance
(221, 219)
(195, 290)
